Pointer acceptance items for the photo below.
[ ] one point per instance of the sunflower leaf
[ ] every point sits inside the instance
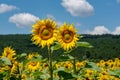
(56, 47)
(6, 61)
(80, 36)
(65, 57)
(21, 57)
(115, 72)
(65, 75)
(84, 44)
(59, 69)
(92, 65)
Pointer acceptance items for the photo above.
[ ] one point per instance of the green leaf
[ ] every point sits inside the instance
(65, 75)
(84, 44)
(6, 61)
(69, 51)
(36, 59)
(56, 47)
(1, 62)
(1, 75)
(115, 73)
(80, 36)
(23, 55)
(65, 57)
(13, 78)
(45, 76)
(70, 57)
(59, 69)
(25, 62)
(37, 73)
(92, 65)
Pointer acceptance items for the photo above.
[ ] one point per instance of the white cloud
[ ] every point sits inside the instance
(50, 16)
(59, 23)
(6, 8)
(23, 19)
(117, 31)
(53, 18)
(78, 24)
(78, 7)
(99, 30)
(118, 1)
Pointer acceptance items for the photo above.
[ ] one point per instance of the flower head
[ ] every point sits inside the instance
(33, 65)
(44, 32)
(9, 53)
(67, 36)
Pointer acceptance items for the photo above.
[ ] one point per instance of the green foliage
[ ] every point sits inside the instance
(84, 44)
(115, 73)
(65, 57)
(93, 66)
(5, 61)
(105, 46)
(65, 75)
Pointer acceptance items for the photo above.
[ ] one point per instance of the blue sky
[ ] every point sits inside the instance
(88, 16)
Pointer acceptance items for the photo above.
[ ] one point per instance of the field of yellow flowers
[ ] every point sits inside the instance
(32, 66)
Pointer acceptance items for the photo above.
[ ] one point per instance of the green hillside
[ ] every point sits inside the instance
(105, 46)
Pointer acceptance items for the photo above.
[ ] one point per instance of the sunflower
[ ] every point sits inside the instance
(9, 53)
(33, 55)
(67, 36)
(89, 73)
(15, 68)
(68, 65)
(24, 77)
(44, 32)
(4, 68)
(33, 65)
(104, 77)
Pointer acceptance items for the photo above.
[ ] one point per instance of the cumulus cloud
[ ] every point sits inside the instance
(23, 19)
(6, 8)
(117, 31)
(78, 24)
(118, 1)
(51, 16)
(59, 23)
(99, 30)
(78, 7)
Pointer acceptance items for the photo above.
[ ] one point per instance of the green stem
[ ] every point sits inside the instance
(74, 65)
(50, 63)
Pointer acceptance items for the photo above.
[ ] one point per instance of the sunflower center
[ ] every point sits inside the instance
(45, 32)
(67, 36)
(33, 63)
(7, 53)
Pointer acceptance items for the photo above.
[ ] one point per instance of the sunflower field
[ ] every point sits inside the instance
(33, 66)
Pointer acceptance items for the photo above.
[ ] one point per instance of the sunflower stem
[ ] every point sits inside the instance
(50, 63)
(74, 65)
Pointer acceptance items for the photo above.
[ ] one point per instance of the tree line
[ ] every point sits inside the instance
(104, 46)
